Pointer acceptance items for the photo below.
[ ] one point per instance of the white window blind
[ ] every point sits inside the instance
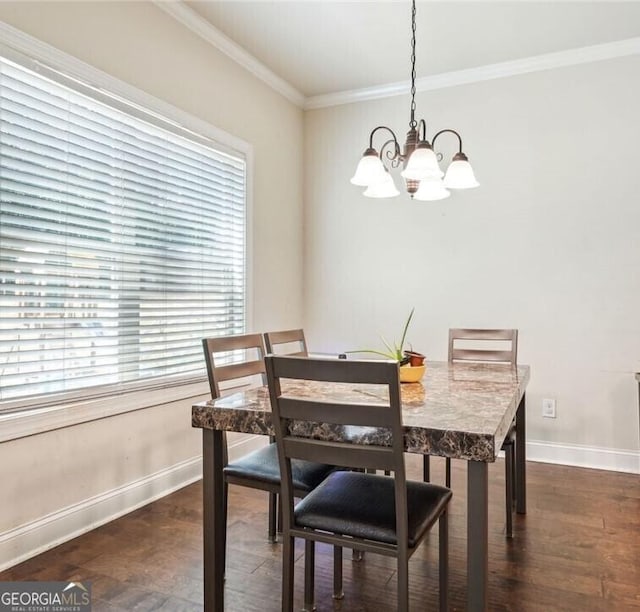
(122, 243)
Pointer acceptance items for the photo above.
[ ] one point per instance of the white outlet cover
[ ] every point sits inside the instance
(549, 408)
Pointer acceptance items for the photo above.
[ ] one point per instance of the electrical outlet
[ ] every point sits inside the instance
(549, 408)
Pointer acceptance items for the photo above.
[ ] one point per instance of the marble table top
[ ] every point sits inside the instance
(458, 410)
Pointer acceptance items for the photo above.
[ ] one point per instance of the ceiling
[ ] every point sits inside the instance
(321, 47)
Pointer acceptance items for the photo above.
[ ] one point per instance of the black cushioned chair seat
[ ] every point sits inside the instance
(262, 466)
(363, 506)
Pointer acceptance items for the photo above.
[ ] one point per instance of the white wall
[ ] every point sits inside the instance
(549, 243)
(145, 450)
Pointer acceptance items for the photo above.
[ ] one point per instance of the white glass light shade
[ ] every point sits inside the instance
(422, 164)
(431, 190)
(383, 189)
(460, 175)
(370, 170)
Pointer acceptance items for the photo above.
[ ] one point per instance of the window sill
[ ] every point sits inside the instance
(17, 425)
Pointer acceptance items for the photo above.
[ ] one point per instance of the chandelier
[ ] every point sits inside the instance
(422, 174)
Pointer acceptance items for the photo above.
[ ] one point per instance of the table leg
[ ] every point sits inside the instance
(521, 458)
(477, 536)
(213, 522)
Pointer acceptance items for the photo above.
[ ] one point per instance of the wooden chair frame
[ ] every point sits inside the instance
(219, 374)
(274, 339)
(493, 355)
(484, 354)
(350, 454)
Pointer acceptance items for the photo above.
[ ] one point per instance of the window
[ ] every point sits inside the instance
(122, 241)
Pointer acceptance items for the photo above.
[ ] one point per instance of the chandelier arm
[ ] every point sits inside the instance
(422, 131)
(395, 157)
(383, 127)
(433, 142)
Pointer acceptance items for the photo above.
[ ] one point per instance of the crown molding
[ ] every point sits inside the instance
(537, 63)
(200, 26)
(190, 19)
(548, 61)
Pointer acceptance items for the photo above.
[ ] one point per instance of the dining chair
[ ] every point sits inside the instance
(495, 346)
(293, 339)
(293, 342)
(381, 514)
(258, 469)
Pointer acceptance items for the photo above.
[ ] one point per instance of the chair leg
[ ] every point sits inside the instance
(426, 468)
(448, 472)
(513, 473)
(273, 512)
(443, 553)
(508, 477)
(309, 575)
(287, 573)
(338, 593)
(403, 583)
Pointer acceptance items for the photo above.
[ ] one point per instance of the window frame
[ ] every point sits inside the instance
(31, 415)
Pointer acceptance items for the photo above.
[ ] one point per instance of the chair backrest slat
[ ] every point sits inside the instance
(363, 415)
(289, 336)
(341, 453)
(297, 411)
(498, 337)
(463, 354)
(223, 373)
(334, 370)
(240, 370)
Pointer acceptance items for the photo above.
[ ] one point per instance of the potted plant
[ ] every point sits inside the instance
(412, 366)
(415, 359)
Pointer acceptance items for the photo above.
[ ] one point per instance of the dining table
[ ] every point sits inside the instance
(458, 410)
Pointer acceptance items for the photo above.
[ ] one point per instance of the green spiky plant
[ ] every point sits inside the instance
(395, 351)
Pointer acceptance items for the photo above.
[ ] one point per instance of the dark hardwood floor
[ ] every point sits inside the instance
(577, 549)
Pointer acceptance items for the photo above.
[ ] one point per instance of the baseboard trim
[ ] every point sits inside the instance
(35, 537)
(614, 460)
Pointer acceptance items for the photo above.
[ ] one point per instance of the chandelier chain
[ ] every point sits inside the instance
(413, 123)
